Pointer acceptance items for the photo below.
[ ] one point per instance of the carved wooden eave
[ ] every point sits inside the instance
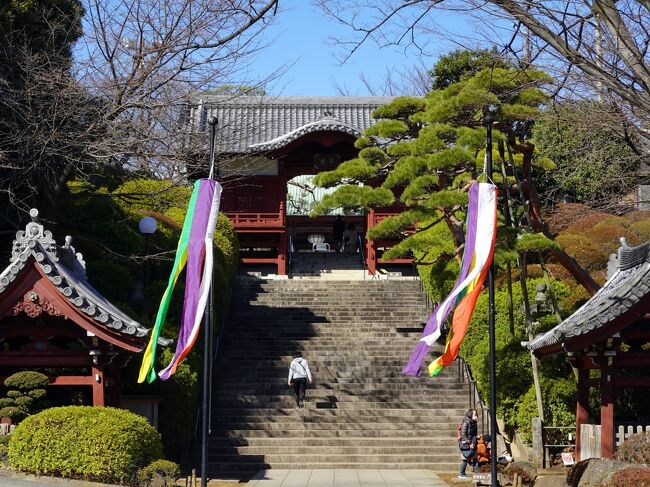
(44, 278)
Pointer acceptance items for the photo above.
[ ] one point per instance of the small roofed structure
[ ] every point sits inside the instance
(51, 317)
(611, 333)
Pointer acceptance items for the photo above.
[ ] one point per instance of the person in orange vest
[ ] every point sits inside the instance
(482, 449)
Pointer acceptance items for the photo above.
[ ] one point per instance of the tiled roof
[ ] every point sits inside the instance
(628, 285)
(259, 124)
(66, 270)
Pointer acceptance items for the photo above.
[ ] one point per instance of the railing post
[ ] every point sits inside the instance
(282, 249)
(371, 257)
(538, 442)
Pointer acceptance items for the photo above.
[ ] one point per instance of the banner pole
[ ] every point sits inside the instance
(207, 348)
(490, 116)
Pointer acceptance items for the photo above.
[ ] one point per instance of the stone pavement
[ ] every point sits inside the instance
(345, 478)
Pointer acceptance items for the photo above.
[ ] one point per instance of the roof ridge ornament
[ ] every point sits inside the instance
(34, 233)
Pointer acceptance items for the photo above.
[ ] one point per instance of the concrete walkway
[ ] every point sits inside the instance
(345, 478)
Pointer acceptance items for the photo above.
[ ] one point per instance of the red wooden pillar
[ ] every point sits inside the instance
(371, 256)
(606, 413)
(98, 385)
(282, 250)
(582, 405)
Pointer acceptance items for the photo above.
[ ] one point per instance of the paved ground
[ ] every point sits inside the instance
(346, 478)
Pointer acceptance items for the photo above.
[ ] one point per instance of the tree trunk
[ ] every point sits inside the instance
(537, 222)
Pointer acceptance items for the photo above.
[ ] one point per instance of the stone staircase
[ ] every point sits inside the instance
(362, 412)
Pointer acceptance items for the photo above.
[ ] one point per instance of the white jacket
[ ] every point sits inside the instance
(299, 369)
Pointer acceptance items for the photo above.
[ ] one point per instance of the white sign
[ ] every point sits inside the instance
(567, 458)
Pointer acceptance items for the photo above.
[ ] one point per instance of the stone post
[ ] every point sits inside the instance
(538, 442)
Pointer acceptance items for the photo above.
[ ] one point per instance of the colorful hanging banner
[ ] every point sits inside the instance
(480, 239)
(195, 250)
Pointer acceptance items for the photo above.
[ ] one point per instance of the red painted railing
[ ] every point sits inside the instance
(378, 217)
(255, 219)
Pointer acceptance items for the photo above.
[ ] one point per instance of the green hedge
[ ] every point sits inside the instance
(99, 444)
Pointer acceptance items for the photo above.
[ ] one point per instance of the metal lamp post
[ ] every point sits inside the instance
(490, 114)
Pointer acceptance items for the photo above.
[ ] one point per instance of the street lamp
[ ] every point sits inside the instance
(147, 226)
(490, 113)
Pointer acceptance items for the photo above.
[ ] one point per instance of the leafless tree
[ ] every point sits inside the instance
(119, 104)
(412, 81)
(596, 47)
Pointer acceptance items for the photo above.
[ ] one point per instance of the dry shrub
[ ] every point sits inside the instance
(525, 470)
(566, 214)
(635, 449)
(626, 477)
(589, 254)
(576, 471)
(641, 229)
(608, 236)
(637, 216)
(534, 271)
(580, 224)
(617, 220)
(559, 272)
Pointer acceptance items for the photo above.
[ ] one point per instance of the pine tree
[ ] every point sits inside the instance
(424, 152)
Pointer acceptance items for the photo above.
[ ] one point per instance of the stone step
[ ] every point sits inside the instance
(314, 404)
(329, 378)
(254, 466)
(353, 441)
(423, 457)
(384, 426)
(443, 447)
(322, 433)
(324, 414)
(327, 421)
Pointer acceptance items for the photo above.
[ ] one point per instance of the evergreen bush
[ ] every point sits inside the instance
(163, 472)
(4, 442)
(98, 444)
(26, 381)
(24, 396)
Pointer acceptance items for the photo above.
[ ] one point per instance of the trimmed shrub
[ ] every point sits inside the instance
(641, 229)
(608, 236)
(25, 396)
(99, 444)
(26, 381)
(588, 253)
(639, 477)
(637, 216)
(4, 442)
(13, 412)
(166, 472)
(635, 449)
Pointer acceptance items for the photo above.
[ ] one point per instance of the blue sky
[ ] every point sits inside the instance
(300, 34)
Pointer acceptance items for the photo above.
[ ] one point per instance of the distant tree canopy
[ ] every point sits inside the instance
(590, 145)
(462, 63)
